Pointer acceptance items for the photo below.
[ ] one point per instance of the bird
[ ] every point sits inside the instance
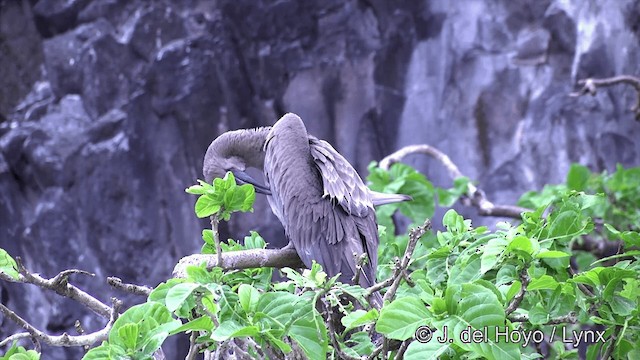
(324, 206)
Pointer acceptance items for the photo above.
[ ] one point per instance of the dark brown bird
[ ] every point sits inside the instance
(325, 208)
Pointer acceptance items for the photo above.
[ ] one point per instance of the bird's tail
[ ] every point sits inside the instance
(379, 198)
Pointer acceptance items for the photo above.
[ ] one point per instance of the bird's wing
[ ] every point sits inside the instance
(340, 181)
(318, 229)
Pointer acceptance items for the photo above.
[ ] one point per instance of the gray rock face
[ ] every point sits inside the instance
(107, 107)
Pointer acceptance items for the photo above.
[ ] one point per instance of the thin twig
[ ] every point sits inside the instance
(414, 235)
(59, 285)
(332, 335)
(590, 86)
(65, 339)
(129, 288)
(359, 262)
(570, 318)
(216, 237)
(193, 347)
(403, 348)
(475, 197)
(14, 337)
(515, 302)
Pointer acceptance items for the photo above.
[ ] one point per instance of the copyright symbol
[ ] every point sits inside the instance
(423, 334)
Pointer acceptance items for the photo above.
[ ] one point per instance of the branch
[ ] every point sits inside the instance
(476, 197)
(64, 339)
(129, 288)
(398, 273)
(244, 259)
(515, 302)
(590, 85)
(332, 335)
(59, 284)
(570, 318)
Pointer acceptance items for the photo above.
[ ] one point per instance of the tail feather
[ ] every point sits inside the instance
(379, 198)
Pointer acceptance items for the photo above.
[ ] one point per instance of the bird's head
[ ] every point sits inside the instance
(236, 151)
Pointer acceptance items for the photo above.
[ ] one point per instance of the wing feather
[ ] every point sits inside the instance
(340, 180)
(308, 178)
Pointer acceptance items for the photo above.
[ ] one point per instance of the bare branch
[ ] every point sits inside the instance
(332, 334)
(476, 197)
(64, 339)
(129, 288)
(515, 302)
(216, 237)
(570, 318)
(590, 86)
(244, 259)
(15, 337)
(60, 285)
(414, 235)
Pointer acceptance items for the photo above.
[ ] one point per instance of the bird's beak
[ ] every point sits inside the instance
(244, 178)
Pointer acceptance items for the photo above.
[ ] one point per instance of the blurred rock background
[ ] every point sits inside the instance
(107, 107)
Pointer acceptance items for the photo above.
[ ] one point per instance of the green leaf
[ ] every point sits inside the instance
(621, 305)
(206, 206)
(544, 282)
(492, 251)
(359, 318)
(8, 266)
(513, 290)
(249, 193)
(432, 350)
(248, 296)
(310, 332)
(177, 295)
(578, 177)
(400, 319)
(474, 308)
(154, 323)
(105, 351)
(231, 329)
(521, 245)
(203, 323)
(129, 335)
(544, 254)
(277, 307)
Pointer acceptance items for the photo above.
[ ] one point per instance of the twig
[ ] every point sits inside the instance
(359, 262)
(332, 335)
(59, 285)
(582, 287)
(216, 237)
(515, 302)
(193, 347)
(129, 288)
(475, 197)
(414, 235)
(64, 339)
(244, 259)
(590, 85)
(403, 348)
(570, 318)
(14, 337)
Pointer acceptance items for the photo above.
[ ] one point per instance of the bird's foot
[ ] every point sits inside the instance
(288, 246)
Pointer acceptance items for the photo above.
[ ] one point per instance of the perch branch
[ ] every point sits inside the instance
(476, 197)
(64, 339)
(244, 259)
(590, 86)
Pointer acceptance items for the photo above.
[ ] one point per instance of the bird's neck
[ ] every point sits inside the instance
(248, 144)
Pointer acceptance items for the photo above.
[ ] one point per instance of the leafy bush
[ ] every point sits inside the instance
(519, 291)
